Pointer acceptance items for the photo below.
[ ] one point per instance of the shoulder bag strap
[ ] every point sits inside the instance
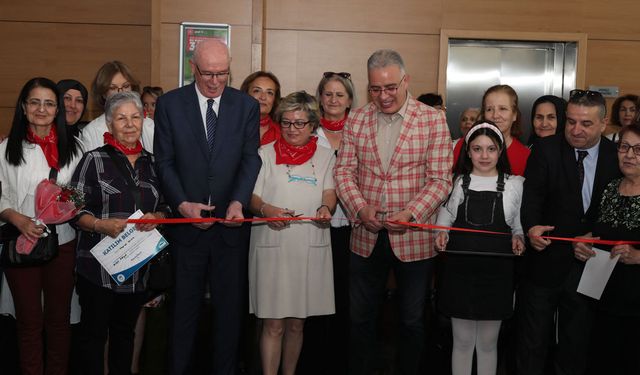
(53, 174)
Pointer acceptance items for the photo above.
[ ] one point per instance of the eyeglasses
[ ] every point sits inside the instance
(47, 104)
(211, 75)
(296, 124)
(125, 87)
(344, 75)
(389, 89)
(624, 147)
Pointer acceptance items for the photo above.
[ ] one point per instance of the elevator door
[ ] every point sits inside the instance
(533, 69)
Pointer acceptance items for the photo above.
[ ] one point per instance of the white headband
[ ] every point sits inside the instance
(484, 125)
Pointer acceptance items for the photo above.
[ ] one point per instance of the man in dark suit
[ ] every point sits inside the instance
(206, 141)
(565, 177)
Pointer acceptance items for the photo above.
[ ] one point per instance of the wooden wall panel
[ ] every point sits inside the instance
(169, 52)
(298, 58)
(170, 49)
(6, 116)
(601, 20)
(613, 20)
(120, 12)
(234, 12)
(500, 15)
(376, 16)
(614, 63)
(67, 55)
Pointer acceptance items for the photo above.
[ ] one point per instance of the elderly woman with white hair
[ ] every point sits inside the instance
(117, 179)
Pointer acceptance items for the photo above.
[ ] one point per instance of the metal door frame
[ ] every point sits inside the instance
(445, 34)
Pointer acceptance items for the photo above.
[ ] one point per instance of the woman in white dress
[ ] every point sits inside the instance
(290, 264)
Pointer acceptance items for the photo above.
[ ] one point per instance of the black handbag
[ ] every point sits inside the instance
(160, 267)
(44, 250)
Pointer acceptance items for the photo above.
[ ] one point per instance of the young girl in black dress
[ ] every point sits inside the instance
(476, 285)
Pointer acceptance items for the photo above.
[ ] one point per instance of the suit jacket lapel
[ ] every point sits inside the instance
(194, 120)
(371, 131)
(570, 166)
(225, 110)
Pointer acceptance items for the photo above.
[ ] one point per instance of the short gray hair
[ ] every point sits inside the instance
(299, 101)
(383, 58)
(119, 98)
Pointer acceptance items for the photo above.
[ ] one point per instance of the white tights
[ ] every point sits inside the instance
(481, 335)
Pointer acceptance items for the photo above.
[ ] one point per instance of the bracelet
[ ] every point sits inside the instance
(323, 205)
(94, 225)
(262, 209)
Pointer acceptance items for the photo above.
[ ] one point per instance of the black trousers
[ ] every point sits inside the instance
(326, 338)
(106, 314)
(368, 277)
(224, 267)
(535, 310)
(615, 345)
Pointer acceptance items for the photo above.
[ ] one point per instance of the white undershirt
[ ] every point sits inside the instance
(511, 199)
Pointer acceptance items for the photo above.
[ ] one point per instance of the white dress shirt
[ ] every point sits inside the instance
(339, 218)
(202, 102)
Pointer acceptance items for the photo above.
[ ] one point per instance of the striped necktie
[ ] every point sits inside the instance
(212, 120)
(581, 155)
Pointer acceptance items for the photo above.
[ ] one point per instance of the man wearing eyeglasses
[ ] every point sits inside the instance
(393, 167)
(206, 142)
(565, 177)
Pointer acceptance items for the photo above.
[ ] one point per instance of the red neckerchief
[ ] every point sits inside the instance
(108, 139)
(48, 144)
(333, 126)
(294, 155)
(272, 133)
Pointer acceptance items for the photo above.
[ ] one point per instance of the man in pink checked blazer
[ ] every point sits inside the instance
(394, 165)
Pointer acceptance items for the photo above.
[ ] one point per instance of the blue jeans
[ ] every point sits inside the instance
(367, 290)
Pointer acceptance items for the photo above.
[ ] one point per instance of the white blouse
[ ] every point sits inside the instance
(92, 135)
(339, 218)
(19, 183)
(511, 199)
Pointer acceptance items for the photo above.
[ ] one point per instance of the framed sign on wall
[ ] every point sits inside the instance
(192, 33)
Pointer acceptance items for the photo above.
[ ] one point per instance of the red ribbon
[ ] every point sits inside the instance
(414, 225)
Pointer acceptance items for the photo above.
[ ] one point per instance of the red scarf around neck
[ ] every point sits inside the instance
(294, 155)
(333, 126)
(48, 144)
(110, 140)
(272, 133)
